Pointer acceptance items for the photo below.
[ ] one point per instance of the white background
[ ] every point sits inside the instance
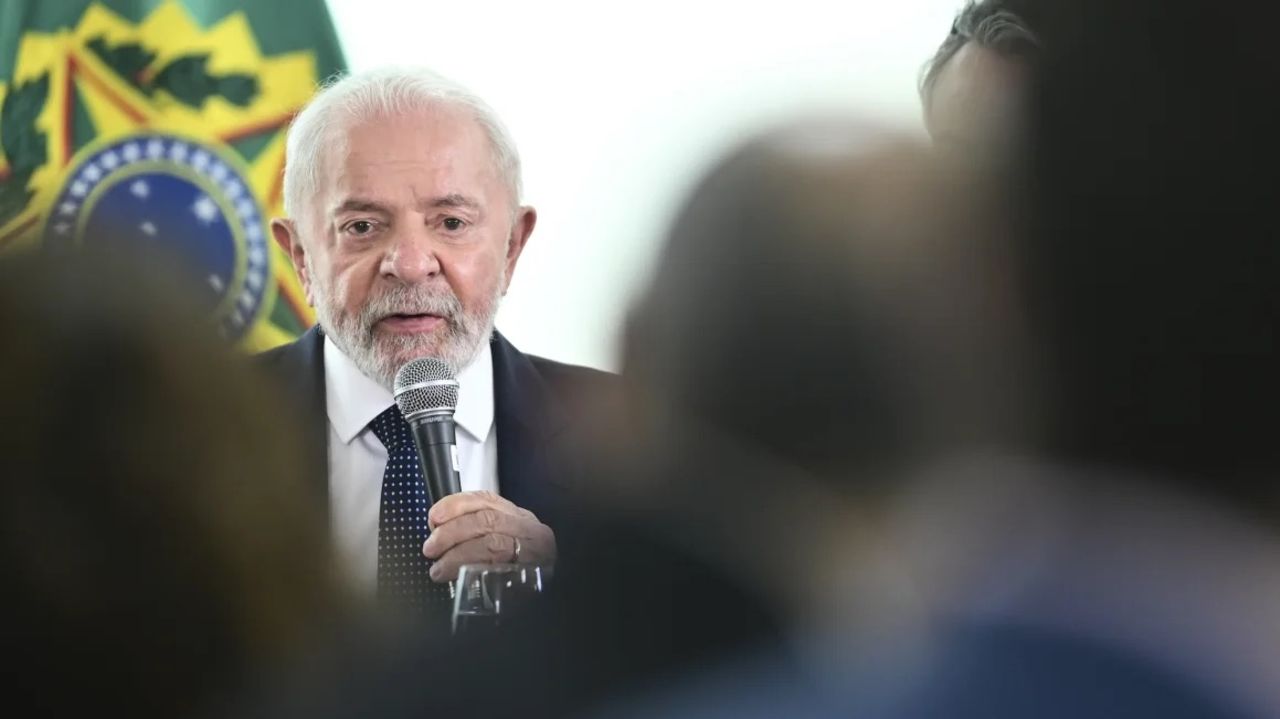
(618, 107)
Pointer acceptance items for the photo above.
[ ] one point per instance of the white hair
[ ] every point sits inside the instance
(347, 100)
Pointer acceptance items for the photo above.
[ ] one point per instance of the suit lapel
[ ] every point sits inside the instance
(302, 375)
(528, 420)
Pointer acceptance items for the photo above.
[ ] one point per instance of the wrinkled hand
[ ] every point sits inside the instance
(481, 527)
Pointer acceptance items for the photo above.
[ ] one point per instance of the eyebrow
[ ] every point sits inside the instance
(356, 204)
(454, 199)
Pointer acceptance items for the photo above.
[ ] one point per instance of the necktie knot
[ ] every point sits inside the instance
(390, 428)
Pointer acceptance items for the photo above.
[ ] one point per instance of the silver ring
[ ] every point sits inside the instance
(515, 559)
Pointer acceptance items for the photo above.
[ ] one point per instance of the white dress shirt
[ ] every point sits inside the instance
(357, 459)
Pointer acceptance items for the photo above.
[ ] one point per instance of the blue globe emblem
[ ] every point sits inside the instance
(176, 198)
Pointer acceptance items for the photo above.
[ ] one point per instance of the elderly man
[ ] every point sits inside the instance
(404, 223)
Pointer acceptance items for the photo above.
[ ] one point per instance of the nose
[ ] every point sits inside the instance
(410, 257)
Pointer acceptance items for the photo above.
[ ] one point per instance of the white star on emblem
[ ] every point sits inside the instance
(155, 149)
(132, 152)
(92, 173)
(254, 278)
(216, 283)
(110, 160)
(79, 188)
(140, 189)
(233, 189)
(205, 209)
(68, 208)
(148, 229)
(200, 160)
(218, 172)
(179, 151)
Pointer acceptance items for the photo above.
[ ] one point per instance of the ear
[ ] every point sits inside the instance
(526, 218)
(286, 233)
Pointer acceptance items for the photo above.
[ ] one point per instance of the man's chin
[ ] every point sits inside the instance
(411, 325)
(397, 350)
(392, 345)
(398, 353)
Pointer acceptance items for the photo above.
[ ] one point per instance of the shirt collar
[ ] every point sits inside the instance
(475, 395)
(353, 400)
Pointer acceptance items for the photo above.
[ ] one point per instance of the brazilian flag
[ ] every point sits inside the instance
(165, 120)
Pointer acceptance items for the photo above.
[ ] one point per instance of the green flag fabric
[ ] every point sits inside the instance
(163, 119)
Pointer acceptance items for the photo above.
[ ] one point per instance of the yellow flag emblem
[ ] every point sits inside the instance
(159, 131)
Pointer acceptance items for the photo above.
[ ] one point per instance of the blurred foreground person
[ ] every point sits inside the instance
(1135, 569)
(836, 305)
(813, 333)
(1121, 557)
(157, 559)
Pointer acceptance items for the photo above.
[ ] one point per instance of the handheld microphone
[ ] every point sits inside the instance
(427, 395)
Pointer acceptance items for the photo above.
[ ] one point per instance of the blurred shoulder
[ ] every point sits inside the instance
(306, 350)
(583, 393)
(569, 376)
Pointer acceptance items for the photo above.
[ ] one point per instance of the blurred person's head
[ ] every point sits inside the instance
(829, 295)
(973, 88)
(1153, 262)
(829, 309)
(405, 224)
(159, 539)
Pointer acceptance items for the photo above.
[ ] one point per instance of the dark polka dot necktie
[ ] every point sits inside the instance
(403, 578)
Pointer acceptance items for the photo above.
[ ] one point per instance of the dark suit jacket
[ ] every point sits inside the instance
(537, 404)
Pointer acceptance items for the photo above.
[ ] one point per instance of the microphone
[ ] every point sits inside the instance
(427, 395)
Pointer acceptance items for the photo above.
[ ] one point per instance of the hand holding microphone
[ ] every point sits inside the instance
(466, 527)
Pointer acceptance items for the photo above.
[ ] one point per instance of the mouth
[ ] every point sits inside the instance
(411, 323)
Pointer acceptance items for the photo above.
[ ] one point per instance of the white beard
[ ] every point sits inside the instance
(380, 355)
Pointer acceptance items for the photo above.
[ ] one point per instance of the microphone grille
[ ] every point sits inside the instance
(425, 385)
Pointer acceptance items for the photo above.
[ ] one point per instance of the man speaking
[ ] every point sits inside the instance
(405, 226)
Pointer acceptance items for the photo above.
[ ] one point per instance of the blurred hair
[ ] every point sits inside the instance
(346, 101)
(1005, 26)
(831, 297)
(158, 539)
(1154, 255)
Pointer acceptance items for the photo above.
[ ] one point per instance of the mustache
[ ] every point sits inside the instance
(412, 300)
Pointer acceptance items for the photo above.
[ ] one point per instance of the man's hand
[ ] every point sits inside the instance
(481, 527)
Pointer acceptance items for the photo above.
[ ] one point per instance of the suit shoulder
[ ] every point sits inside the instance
(573, 377)
(273, 356)
(581, 391)
(581, 394)
(278, 362)
(303, 351)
